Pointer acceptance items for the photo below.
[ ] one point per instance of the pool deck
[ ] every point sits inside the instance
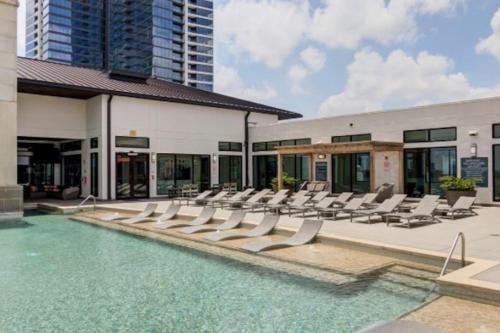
(480, 280)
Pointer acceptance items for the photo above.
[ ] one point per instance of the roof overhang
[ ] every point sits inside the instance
(341, 148)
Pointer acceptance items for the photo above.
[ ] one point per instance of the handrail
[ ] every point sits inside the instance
(90, 196)
(452, 249)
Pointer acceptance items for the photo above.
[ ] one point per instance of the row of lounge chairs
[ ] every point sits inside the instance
(226, 230)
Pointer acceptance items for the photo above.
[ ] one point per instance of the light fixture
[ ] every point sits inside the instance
(214, 158)
(321, 156)
(132, 153)
(153, 157)
(473, 150)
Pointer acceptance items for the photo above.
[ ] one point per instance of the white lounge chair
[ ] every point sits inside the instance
(351, 206)
(169, 214)
(216, 198)
(342, 199)
(318, 197)
(276, 199)
(148, 211)
(257, 197)
(386, 207)
(306, 233)
(323, 204)
(205, 216)
(232, 222)
(296, 203)
(198, 200)
(461, 208)
(267, 224)
(424, 213)
(237, 197)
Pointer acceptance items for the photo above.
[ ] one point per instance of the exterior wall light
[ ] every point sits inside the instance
(214, 158)
(321, 156)
(153, 157)
(473, 150)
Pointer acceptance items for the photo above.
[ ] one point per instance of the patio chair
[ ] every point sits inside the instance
(283, 192)
(386, 207)
(275, 200)
(319, 197)
(424, 213)
(426, 198)
(351, 206)
(205, 216)
(198, 200)
(384, 191)
(266, 225)
(323, 204)
(461, 208)
(169, 214)
(297, 202)
(369, 200)
(299, 205)
(232, 222)
(237, 197)
(147, 211)
(342, 199)
(257, 197)
(216, 198)
(306, 233)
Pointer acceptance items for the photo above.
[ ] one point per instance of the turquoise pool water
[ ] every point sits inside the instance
(58, 275)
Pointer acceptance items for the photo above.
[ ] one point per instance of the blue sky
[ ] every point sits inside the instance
(329, 57)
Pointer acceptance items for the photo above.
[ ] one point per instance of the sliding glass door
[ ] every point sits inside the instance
(425, 166)
(132, 175)
(351, 173)
(175, 170)
(496, 172)
(264, 170)
(230, 170)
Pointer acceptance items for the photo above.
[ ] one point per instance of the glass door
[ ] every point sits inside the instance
(230, 170)
(351, 173)
(132, 176)
(94, 174)
(496, 172)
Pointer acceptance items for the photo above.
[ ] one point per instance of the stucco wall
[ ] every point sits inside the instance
(51, 117)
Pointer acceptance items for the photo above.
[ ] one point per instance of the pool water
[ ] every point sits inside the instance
(58, 275)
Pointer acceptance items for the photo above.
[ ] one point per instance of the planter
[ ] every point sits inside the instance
(452, 196)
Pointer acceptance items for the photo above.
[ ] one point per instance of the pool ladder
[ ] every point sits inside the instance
(460, 236)
(90, 196)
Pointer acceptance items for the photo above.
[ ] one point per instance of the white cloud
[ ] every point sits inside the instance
(374, 82)
(491, 44)
(229, 82)
(345, 23)
(313, 58)
(265, 30)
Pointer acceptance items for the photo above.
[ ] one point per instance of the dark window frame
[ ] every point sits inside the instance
(428, 132)
(94, 142)
(493, 131)
(117, 145)
(350, 137)
(493, 155)
(232, 146)
(268, 147)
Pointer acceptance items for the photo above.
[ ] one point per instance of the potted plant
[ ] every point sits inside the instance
(288, 182)
(456, 187)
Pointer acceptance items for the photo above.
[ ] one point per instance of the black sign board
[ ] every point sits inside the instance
(475, 168)
(321, 171)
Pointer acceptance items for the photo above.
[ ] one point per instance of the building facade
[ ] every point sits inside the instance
(166, 39)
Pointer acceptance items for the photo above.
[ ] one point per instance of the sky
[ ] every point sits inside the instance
(331, 57)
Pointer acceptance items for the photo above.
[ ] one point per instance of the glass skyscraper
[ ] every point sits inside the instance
(167, 39)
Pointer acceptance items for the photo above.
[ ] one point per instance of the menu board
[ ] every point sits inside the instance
(321, 173)
(475, 168)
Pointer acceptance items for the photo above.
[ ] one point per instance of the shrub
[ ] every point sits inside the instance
(287, 181)
(450, 183)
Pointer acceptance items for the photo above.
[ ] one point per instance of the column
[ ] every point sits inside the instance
(280, 171)
(11, 195)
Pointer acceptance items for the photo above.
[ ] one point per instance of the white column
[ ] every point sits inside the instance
(10, 192)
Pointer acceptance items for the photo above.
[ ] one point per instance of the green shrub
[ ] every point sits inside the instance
(450, 183)
(287, 181)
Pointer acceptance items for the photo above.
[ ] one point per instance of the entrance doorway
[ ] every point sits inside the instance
(351, 173)
(132, 176)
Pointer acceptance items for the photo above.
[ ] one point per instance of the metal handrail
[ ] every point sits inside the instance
(90, 196)
(461, 236)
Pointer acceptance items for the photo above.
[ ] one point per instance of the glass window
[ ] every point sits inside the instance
(131, 142)
(230, 146)
(496, 172)
(361, 137)
(416, 136)
(272, 145)
(264, 170)
(259, 146)
(94, 143)
(351, 173)
(71, 146)
(303, 141)
(230, 170)
(496, 131)
(165, 173)
(341, 138)
(183, 169)
(443, 134)
(287, 143)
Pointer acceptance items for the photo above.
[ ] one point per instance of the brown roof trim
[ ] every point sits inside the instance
(342, 147)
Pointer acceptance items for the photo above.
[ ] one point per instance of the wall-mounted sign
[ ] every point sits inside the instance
(321, 171)
(475, 168)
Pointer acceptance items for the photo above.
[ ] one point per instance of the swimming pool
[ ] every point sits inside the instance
(58, 275)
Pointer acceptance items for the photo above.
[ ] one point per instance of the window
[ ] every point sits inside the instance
(271, 145)
(351, 173)
(94, 143)
(230, 146)
(131, 142)
(71, 146)
(430, 135)
(352, 138)
(176, 170)
(230, 170)
(496, 131)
